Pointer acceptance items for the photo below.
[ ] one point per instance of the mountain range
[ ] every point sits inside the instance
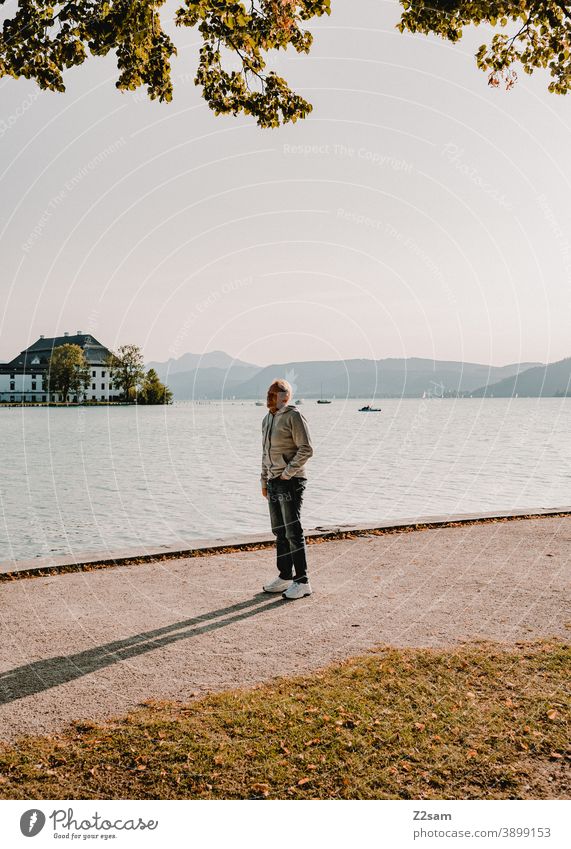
(216, 375)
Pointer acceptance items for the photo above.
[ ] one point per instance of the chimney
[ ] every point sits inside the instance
(42, 336)
(80, 332)
(66, 334)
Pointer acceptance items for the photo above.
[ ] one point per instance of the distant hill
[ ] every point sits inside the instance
(408, 378)
(209, 382)
(539, 381)
(358, 378)
(188, 362)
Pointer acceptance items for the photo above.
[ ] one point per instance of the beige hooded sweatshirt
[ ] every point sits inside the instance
(286, 445)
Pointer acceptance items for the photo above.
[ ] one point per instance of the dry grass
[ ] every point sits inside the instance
(479, 722)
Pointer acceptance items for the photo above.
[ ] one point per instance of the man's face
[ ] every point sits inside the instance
(276, 399)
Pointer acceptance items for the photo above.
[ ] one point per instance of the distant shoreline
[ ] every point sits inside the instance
(39, 568)
(307, 401)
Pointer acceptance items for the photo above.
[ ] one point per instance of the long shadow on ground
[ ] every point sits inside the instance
(44, 674)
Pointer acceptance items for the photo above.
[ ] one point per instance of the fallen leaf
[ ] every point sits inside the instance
(262, 789)
(420, 725)
(303, 781)
(472, 753)
(552, 714)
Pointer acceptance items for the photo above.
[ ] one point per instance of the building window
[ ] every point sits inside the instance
(93, 398)
(44, 398)
(12, 377)
(93, 386)
(102, 374)
(12, 398)
(12, 387)
(103, 397)
(110, 387)
(103, 386)
(93, 374)
(33, 398)
(34, 385)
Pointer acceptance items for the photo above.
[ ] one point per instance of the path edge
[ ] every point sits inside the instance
(317, 535)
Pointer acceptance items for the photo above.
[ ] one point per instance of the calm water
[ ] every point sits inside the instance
(82, 480)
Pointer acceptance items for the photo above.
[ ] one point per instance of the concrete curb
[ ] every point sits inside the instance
(41, 568)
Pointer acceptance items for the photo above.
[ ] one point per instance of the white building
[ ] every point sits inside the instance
(22, 379)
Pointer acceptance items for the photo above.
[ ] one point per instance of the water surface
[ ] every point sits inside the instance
(80, 480)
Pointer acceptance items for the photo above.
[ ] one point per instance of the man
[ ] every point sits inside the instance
(286, 447)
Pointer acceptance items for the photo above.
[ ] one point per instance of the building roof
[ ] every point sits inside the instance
(95, 352)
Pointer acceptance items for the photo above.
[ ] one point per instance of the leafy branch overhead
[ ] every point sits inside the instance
(535, 34)
(42, 39)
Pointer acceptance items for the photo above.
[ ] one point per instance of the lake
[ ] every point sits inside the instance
(80, 480)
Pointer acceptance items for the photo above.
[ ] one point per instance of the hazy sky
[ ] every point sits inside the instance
(416, 212)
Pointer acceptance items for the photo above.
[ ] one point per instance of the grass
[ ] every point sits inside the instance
(482, 721)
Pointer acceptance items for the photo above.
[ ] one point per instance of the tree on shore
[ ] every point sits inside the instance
(127, 370)
(68, 372)
(41, 39)
(153, 391)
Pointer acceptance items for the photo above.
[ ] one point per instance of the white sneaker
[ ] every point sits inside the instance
(298, 590)
(277, 586)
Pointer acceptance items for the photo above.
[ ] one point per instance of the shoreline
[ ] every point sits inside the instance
(50, 566)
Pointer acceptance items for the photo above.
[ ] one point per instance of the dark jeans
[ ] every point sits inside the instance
(284, 500)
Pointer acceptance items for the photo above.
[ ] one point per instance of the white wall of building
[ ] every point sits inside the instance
(29, 387)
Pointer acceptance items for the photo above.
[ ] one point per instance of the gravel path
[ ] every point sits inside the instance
(90, 645)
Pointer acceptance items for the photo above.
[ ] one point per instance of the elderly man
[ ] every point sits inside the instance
(286, 447)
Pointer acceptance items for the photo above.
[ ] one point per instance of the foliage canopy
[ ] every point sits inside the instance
(127, 369)
(68, 372)
(43, 38)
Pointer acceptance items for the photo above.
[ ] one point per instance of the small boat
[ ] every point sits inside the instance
(298, 402)
(323, 400)
(260, 404)
(368, 409)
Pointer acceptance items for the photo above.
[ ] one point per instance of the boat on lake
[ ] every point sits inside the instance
(321, 399)
(368, 409)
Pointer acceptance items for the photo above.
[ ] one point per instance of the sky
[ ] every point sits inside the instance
(417, 212)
